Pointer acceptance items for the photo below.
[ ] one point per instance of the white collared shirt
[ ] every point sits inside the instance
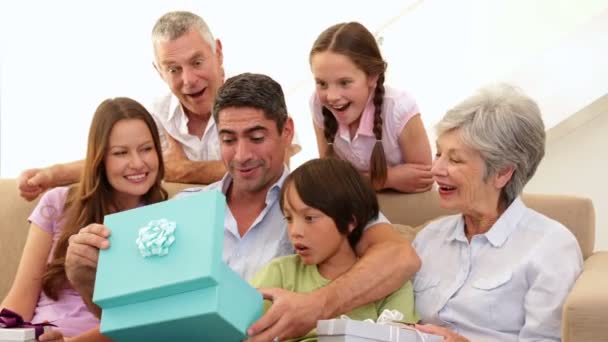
(508, 284)
(170, 118)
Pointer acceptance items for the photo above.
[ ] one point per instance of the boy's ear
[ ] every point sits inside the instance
(352, 225)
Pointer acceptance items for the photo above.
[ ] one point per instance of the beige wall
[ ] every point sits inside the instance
(576, 162)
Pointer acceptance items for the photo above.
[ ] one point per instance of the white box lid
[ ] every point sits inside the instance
(17, 334)
(379, 332)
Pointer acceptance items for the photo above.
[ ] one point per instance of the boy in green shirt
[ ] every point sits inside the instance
(327, 204)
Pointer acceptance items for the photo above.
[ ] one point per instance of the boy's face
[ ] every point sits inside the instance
(315, 236)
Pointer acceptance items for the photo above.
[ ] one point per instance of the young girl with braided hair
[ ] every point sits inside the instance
(357, 118)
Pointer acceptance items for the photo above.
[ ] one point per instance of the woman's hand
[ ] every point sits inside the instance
(81, 261)
(448, 335)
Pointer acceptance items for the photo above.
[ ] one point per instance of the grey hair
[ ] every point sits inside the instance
(505, 126)
(173, 25)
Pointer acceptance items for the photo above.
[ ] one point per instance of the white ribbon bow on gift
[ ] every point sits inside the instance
(389, 316)
(386, 317)
(392, 318)
(156, 237)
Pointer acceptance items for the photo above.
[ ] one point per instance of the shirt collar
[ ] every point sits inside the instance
(366, 124)
(500, 231)
(175, 107)
(457, 232)
(506, 224)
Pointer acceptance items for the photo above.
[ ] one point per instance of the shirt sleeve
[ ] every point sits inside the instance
(268, 277)
(49, 210)
(380, 219)
(551, 275)
(154, 110)
(401, 300)
(316, 110)
(162, 135)
(405, 107)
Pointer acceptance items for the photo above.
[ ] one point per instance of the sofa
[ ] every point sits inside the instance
(585, 313)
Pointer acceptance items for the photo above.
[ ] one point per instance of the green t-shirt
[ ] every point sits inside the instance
(291, 274)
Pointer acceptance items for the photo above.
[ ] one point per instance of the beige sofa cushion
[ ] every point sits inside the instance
(576, 213)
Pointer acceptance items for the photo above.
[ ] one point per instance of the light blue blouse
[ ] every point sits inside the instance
(508, 284)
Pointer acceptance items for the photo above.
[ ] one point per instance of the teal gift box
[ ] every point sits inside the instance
(184, 291)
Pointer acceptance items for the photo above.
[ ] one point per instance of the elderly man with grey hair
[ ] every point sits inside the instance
(504, 270)
(190, 61)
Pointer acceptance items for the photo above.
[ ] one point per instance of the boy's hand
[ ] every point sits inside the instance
(291, 315)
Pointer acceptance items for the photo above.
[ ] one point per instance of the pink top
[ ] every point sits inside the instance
(397, 109)
(69, 313)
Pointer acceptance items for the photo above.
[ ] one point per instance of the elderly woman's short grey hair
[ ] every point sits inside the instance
(505, 126)
(173, 25)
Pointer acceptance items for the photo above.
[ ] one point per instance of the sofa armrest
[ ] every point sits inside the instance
(585, 312)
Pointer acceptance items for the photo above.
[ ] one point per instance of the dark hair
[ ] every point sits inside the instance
(336, 188)
(255, 91)
(354, 41)
(91, 199)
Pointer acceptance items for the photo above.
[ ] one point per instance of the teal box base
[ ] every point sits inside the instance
(217, 313)
(189, 294)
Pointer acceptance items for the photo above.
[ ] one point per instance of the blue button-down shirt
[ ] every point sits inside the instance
(508, 284)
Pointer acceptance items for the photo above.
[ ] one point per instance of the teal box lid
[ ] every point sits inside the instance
(217, 313)
(192, 261)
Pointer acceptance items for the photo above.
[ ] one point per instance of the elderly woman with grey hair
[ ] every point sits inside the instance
(498, 271)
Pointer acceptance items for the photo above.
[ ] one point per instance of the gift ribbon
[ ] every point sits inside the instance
(11, 319)
(331, 327)
(156, 237)
(394, 330)
(388, 318)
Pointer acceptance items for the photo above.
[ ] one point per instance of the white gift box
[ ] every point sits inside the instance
(346, 330)
(17, 334)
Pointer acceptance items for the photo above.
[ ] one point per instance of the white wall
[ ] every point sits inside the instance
(576, 162)
(61, 58)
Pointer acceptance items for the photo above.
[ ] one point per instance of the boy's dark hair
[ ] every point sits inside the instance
(255, 91)
(336, 188)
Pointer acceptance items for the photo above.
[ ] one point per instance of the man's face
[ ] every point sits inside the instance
(192, 71)
(252, 148)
